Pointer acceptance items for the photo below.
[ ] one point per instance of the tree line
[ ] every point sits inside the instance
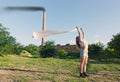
(9, 45)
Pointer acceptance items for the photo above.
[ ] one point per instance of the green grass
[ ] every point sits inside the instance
(52, 69)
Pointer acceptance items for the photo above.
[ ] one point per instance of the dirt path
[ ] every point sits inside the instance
(19, 76)
(105, 76)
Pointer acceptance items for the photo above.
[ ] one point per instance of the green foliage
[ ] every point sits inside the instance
(8, 44)
(49, 50)
(62, 53)
(33, 49)
(18, 48)
(73, 55)
(1, 55)
(25, 53)
(96, 51)
(114, 45)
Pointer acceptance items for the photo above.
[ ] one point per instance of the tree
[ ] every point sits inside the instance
(96, 50)
(7, 42)
(114, 44)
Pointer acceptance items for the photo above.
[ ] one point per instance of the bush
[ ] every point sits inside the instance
(49, 50)
(62, 53)
(25, 53)
(1, 55)
(96, 51)
(33, 49)
(73, 54)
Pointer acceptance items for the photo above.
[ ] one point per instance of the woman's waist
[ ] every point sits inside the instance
(84, 50)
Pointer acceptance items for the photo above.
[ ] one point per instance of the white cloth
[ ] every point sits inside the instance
(38, 35)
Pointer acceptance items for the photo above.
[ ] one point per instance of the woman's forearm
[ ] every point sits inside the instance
(78, 31)
(82, 33)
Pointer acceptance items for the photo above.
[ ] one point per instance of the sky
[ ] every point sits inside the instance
(98, 18)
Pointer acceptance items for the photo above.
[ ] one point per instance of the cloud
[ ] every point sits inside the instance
(72, 42)
(97, 36)
(101, 41)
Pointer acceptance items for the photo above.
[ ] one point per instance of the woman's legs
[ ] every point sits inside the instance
(81, 64)
(85, 63)
(82, 58)
(85, 66)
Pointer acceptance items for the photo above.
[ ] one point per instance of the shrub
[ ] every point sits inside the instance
(49, 50)
(73, 54)
(25, 53)
(1, 55)
(62, 53)
(33, 49)
(96, 51)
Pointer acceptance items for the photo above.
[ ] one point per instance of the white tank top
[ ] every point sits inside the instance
(84, 44)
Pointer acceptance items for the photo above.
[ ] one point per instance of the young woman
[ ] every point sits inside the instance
(83, 45)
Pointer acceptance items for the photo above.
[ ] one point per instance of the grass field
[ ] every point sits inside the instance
(22, 69)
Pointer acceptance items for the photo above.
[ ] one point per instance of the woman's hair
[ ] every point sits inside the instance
(78, 42)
